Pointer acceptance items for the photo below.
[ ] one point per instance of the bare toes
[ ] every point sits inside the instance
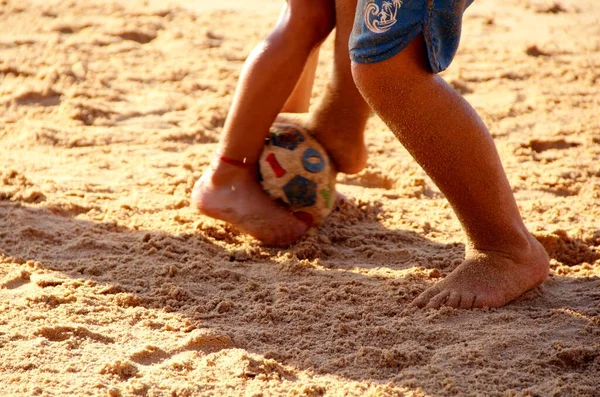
(467, 300)
(438, 300)
(480, 302)
(426, 296)
(453, 300)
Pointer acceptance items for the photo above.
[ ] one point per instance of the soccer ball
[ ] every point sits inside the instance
(295, 170)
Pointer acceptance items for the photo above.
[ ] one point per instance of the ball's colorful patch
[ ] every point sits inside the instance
(289, 140)
(327, 196)
(313, 160)
(301, 192)
(305, 217)
(275, 166)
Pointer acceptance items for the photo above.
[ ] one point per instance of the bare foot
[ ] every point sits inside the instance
(346, 148)
(233, 195)
(489, 279)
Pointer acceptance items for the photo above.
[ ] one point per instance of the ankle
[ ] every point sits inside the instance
(516, 243)
(224, 172)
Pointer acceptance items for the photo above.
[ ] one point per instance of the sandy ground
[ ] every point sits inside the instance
(111, 285)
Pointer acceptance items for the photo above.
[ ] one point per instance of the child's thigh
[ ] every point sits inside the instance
(383, 28)
(316, 11)
(315, 18)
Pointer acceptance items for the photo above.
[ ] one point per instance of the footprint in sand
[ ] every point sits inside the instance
(369, 178)
(36, 97)
(542, 145)
(15, 280)
(61, 333)
(201, 340)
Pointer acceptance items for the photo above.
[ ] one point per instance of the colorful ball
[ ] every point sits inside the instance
(295, 170)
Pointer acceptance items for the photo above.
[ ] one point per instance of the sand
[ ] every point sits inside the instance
(111, 285)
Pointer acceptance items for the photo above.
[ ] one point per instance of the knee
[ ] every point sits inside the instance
(398, 77)
(360, 74)
(379, 84)
(369, 81)
(311, 19)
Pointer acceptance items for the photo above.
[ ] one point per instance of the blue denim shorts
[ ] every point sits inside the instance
(383, 28)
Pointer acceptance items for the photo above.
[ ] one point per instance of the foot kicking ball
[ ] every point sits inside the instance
(295, 169)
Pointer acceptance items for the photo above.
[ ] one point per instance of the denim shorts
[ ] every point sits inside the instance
(383, 28)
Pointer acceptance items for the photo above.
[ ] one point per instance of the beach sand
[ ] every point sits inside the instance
(110, 284)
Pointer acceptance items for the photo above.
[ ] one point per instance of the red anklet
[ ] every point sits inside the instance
(236, 163)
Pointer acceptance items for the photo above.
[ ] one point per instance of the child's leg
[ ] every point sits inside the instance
(270, 75)
(231, 192)
(299, 101)
(338, 120)
(447, 138)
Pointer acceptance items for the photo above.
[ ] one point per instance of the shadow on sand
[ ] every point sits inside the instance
(333, 304)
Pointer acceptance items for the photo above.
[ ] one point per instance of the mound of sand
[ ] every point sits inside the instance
(111, 285)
